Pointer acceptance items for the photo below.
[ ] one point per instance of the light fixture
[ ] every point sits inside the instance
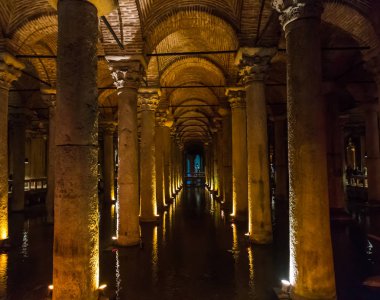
(26, 161)
(102, 287)
(51, 287)
(285, 286)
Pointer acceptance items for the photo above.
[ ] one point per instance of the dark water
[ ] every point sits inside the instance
(194, 253)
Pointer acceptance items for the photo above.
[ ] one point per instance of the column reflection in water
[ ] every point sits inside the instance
(251, 270)
(3, 275)
(117, 275)
(164, 220)
(155, 256)
(25, 240)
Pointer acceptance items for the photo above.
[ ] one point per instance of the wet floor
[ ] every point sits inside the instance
(194, 253)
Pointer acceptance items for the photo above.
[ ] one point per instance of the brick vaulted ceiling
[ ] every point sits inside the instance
(29, 27)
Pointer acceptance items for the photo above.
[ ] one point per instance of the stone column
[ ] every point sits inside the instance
(227, 157)
(76, 218)
(18, 148)
(160, 160)
(109, 163)
(373, 155)
(253, 63)
(311, 262)
(215, 162)
(167, 162)
(281, 158)
(239, 154)
(9, 72)
(148, 101)
(49, 97)
(172, 164)
(127, 73)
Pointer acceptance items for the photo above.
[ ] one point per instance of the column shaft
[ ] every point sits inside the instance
(311, 261)
(18, 148)
(76, 226)
(373, 155)
(109, 165)
(239, 159)
(259, 214)
(281, 159)
(227, 161)
(160, 182)
(51, 166)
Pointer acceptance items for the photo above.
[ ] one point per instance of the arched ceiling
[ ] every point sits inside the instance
(193, 84)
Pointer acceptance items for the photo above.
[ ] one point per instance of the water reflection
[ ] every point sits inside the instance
(117, 275)
(25, 240)
(155, 256)
(3, 275)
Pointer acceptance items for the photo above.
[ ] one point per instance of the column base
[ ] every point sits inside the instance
(149, 219)
(124, 241)
(239, 217)
(261, 239)
(4, 244)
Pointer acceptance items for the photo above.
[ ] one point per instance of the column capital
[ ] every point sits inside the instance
(236, 97)
(148, 98)
(292, 10)
(127, 71)
(109, 128)
(104, 7)
(161, 118)
(254, 63)
(48, 96)
(10, 70)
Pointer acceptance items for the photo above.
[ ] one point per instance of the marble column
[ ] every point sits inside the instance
(311, 261)
(373, 155)
(148, 101)
(215, 163)
(76, 218)
(49, 97)
(281, 158)
(109, 163)
(160, 160)
(10, 71)
(227, 160)
(239, 154)
(253, 64)
(167, 163)
(127, 73)
(18, 141)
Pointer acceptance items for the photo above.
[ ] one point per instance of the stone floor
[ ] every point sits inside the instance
(194, 253)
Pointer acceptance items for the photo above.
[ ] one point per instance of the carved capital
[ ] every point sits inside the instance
(254, 63)
(292, 10)
(48, 96)
(148, 99)
(161, 118)
(236, 97)
(10, 70)
(126, 71)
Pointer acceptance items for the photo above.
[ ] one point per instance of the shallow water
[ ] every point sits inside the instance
(193, 253)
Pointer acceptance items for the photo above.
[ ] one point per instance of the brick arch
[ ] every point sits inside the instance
(353, 22)
(197, 22)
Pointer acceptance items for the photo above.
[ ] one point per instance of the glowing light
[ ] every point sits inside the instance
(251, 269)
(114, 238)
(4, 217)
(102, 287)
(51, 287)
(235, 243)
(285, 286)
(247, 234)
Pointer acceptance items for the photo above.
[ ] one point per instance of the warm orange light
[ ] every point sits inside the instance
(102, 287)
(51, 287)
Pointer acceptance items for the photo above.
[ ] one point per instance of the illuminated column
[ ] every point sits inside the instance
(18, 148)
(220, 163)
(160, 160)
(215, 162)
(373, 155)
(148, 101)
(239, 154)
(227, 160)
(172, 163)
(253, 64)
(167, 162)
(281, 158)
(311, 262)
(49, 97)
(127, 73)
(76, 218)
(109, 163)
(206, 160)
(10, 71)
